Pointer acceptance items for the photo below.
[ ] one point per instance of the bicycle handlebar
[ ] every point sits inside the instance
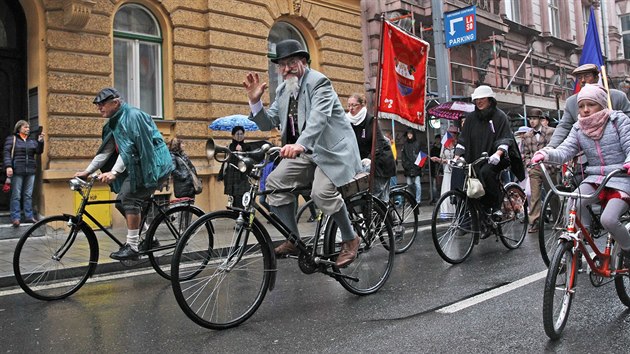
(577, 195)
(462, 164)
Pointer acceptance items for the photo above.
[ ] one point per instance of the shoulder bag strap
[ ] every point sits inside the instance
(13, 148)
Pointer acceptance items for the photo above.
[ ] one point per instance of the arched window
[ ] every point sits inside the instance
(280, 31)
(138, 58)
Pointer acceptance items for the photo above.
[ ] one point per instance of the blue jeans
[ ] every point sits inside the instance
(415, 181)
(21, 194)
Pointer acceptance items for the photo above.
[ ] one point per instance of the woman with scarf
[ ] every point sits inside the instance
(20, 164)
(487, 129)
(604, 136)
(235, 183)
(362, 124)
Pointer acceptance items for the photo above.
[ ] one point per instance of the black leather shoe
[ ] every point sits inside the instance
(142, 247)
(497, 215)
(124, 253)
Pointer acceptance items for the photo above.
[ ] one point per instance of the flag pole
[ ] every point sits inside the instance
(376, 106)
(605, 80)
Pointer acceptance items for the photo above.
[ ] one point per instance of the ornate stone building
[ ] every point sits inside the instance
(525, 49)
(182, 61)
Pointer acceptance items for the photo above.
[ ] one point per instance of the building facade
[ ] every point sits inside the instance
(525, 49)
(182, 61)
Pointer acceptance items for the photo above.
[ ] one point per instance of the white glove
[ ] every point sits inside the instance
(494, 159)
(366, 162)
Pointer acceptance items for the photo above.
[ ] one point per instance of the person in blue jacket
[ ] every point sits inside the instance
(133, 159)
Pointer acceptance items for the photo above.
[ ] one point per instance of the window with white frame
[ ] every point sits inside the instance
(625, 32)
(554, 18)
(280, 31)
(138, 58)
(513, 10)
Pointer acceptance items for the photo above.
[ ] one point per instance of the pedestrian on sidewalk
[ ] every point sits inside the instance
(20, 164)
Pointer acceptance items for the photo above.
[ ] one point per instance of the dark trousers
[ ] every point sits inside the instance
(489, 176)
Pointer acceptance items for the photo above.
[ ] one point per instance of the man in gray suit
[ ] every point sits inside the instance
(319, 145)
(584, 74)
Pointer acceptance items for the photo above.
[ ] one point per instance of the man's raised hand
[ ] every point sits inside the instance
(254, 87)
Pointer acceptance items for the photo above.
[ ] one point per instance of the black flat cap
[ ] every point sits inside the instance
(106, 94)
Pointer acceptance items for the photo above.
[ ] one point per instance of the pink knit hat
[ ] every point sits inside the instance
(595, 93)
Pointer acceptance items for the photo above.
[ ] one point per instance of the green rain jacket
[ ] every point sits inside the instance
(141, 146)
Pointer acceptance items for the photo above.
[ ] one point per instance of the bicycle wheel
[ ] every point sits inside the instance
(515, 217)
(55, 257)
(559, 289)
(453, 227)
(231, 278)
(551, 224)
(404, 219)
(375, 258)
(165, 230)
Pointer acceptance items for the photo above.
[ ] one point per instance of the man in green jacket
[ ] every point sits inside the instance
(133, 159)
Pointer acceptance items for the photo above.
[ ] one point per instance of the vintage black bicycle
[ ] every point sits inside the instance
(459, 222)
(232, 278)
(58, 254)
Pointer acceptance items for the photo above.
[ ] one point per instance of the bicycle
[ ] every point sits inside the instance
(553, 215)
(403, 211)
(241, 266)
(456, 232)
(576, 244)
(58, 254)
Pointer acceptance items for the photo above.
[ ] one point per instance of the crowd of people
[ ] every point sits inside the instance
(325, 146)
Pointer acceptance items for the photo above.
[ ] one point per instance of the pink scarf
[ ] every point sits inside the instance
(593, 125)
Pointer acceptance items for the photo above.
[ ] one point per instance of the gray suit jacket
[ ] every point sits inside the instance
(324, 130)
(619, 102)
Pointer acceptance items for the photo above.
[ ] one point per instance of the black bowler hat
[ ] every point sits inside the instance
(106, 94)
(289, 48)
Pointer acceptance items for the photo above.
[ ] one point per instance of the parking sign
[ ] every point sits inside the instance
(460, 26)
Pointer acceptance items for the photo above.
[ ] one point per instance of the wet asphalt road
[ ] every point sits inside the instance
(314, 314)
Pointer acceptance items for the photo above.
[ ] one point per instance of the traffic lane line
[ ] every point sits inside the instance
(460, 305)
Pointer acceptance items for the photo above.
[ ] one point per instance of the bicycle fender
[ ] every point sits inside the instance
(89, 233)
(263, 231)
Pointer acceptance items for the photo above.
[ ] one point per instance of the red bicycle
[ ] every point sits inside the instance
(575, 244)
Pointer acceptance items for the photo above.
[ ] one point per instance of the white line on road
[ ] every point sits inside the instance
(492, 293)
(94, 279)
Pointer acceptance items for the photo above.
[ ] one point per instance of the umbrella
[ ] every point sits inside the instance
(452, 110)
(229, 122)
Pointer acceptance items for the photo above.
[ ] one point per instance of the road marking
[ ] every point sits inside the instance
(94, 279)
(492, 293)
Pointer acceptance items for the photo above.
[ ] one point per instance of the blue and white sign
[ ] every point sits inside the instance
(460, 26)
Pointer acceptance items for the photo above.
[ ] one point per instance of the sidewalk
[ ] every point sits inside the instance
(106, 246)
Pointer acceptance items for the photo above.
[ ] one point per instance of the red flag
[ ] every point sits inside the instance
(404, 77)
(421, 159)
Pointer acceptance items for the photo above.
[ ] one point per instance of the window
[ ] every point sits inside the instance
(625, 32)
(137, 58)
(280, 31)
(554, 18)
(513, 10)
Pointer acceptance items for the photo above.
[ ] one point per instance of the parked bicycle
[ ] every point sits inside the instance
(576, 244)
(58, 254)
(457, 231)
(232, 279)
(403, 212)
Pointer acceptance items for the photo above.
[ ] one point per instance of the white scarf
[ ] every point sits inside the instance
(357, 119)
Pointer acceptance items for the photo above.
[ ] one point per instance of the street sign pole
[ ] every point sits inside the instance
(442, 60)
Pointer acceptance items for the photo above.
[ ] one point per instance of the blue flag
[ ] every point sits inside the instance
(592, 50)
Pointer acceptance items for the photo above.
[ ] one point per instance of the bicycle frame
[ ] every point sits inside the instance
(84, 189)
